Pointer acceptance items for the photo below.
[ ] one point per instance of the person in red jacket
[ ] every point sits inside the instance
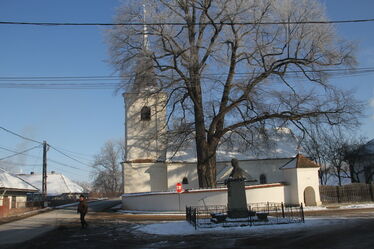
(82, 210)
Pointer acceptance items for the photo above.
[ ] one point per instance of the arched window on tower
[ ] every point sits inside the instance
(145, 113)
(263, 179)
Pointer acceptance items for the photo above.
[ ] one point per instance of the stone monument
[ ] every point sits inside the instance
(237, 200)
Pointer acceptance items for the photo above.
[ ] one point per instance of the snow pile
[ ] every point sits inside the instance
(184, 228)
(352, 206)
(57, 184)
(9, 181)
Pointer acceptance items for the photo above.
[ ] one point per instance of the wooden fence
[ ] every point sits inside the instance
(355, 192)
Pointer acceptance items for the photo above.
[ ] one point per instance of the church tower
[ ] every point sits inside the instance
(145, 112)
(144, 169)
(145, 125)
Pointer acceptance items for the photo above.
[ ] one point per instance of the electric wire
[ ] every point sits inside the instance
(18, 135)
(19, 153)
(111, 86)
(72, 158)
(183, 24)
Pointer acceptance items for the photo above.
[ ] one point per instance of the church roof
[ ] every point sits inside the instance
(300, 161)
(281, 144)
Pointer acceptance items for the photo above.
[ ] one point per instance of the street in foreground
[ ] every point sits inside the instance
(349, 229)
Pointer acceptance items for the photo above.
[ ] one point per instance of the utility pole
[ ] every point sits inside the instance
(44, 179)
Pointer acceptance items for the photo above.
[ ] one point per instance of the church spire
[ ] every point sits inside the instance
(144, 69)
(145, 30)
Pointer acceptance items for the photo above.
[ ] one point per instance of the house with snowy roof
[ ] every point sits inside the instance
(57, 184)
(13, 192)
(155, 164)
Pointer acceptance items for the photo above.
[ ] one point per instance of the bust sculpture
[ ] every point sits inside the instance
(237, 172)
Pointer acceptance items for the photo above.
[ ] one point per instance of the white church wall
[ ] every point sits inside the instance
(145, 177)
(308, 177)
(291, 190)
(172, 201)
(268, 167)
(177, 171)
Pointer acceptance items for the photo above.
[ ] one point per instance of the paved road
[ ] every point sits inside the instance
(347, 230)
(29, 228)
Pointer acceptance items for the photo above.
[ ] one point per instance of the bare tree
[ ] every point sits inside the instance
(337, 150)
(234, 65)
(315, 147)
(107, 172)
(360, 161)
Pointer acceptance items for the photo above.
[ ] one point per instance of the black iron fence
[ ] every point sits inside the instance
(258, 214)
(355, 192)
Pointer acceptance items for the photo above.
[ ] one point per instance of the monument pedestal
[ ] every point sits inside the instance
(237, 200)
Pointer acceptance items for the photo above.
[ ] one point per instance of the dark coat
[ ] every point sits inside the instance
(82, 207)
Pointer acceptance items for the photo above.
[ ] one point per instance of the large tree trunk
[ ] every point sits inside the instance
(206, 169)
(206, 154)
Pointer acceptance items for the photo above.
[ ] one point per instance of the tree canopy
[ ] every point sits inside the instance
(234, 66)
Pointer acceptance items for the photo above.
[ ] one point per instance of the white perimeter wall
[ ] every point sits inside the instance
(172, 201)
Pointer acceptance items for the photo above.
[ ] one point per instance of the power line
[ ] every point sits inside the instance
(18, 135)
(333, 72)
(51, 160)
(72, 158)
(183, 24)
(18, 153)
(66, 165)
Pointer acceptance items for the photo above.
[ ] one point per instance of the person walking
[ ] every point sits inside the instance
(82, 210)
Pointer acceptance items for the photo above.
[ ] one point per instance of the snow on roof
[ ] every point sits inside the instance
(281, 144)
(9, 181)
(57, 184)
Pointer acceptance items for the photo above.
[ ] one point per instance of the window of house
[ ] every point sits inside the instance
(145, 113)
(14, 202)
(263, 179)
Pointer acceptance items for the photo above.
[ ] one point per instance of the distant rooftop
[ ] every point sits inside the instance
(14, 183)
(57, 184)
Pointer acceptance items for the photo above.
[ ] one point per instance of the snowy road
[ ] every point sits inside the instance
(349, 229)
(37, 225)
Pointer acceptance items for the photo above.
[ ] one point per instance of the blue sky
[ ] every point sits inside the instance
(81, 121)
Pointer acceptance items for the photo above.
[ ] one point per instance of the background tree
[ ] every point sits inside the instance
(338, 152)
(234, 66)
(360, 161)
(107, 172)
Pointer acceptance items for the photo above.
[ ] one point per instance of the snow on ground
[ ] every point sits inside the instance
(184, 228)
(340, 206)
(310, 208)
